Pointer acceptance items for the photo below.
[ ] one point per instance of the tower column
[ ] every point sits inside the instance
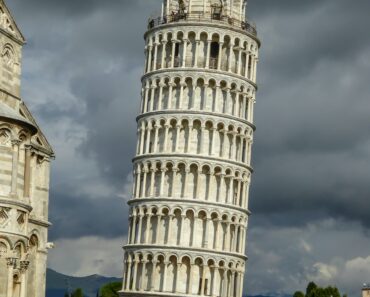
(255, 70)
(190, 289)
(239, 61)
(146, 97)
(170, 94)
(241, 284)
(216, 105)
(134, 285)
(147, 231)
(178, 129)
(218, 232)
(143, 269)
(138, 238)
(152, 96)
(159, 216)
(224, 141)
(187, 172)
(143, 194)
(160, 97)
(155, 56)
(247, 65)
(205, 98)
(149, 130)
(152, 179)
(133, 234)
(213, 131)
(219, 61)
(173, 53)
(128, 280)
(222, 185)
(208, 57)
(165, 276)
(163, 62)
(11, 262)
(153, 277)
(183, 217)
(182, 87)
(167, 128)
(156, 127)
(15, 145)
(185, 45)
(203, 283)
(230, 60)
(150, 48)
(231, 189)
(27, 172)
(244, 113)
(170, 218)
(197, 42)
(238, 202)
(138, 182)
(163, 176)
(207, 221)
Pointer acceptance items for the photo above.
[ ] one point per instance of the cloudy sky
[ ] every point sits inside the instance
(311, 188)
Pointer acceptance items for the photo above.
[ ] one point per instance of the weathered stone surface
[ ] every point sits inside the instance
(24, 177)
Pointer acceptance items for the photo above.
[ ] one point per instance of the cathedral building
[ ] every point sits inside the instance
(25, 158)
(192, 170)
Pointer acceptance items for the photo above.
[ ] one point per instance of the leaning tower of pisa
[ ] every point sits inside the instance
(192, 172)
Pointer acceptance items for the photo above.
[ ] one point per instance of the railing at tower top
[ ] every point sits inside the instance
(215, 17)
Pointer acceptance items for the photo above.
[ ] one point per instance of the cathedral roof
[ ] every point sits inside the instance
(8, 24)
(9, 113)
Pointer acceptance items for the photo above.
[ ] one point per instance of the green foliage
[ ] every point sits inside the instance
(324, 292)
(310, 288)
(314, 291)
(111, 289)
(78, 293)
(298, 294)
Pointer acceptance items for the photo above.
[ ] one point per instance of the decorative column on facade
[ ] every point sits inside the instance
(189, 209)
(23, 270)
(15, 145)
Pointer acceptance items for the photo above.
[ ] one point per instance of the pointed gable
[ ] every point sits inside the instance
(8, 25)
(39, 140)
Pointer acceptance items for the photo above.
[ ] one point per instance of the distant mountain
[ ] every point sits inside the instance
(270, 295)
(56, 283)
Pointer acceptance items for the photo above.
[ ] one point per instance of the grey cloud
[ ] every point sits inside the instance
(75, 216)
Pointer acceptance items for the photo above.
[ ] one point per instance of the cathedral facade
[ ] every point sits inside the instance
(192, 170)
(24, 177)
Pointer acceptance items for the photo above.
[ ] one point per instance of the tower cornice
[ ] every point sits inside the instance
(198, 72)
(195, 113)
(200, 203)
(202, 23)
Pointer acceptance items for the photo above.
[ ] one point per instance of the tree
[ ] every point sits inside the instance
(111, 289)
(78, 293)
(313, 290)
(299, 294)
(311, 287)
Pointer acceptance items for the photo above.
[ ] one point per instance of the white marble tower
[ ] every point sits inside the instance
(189, 209)
(25, 158)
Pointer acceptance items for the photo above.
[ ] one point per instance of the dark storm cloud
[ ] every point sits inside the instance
(75, 216)
(312, 111)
